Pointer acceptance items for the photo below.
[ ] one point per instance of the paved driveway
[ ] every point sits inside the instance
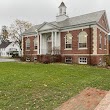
(7, 60)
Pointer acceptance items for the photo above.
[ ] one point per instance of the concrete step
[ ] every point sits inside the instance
(104, 103)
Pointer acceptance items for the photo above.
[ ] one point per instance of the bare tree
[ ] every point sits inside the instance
(4, 32)
(17, 28)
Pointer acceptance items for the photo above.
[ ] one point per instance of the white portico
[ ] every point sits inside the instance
(49, 40)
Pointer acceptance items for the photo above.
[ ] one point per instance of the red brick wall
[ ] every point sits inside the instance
(75, 42)
(92, 60)
(102, 22)
(31, 51)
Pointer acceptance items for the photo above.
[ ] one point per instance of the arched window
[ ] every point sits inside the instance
(82, 37)
(28, 44)
(35, 44)
(68, 41)
(100, 40)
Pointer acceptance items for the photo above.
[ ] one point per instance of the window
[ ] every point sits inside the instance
(68, 41)
(28, 44)
(100, 40)
(35, 43)
(35, 58)
(82, 60)
(68, 60)
(105, 41)
(27, 59)
(82, 37)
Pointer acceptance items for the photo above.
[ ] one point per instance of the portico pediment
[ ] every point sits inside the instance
(47, 26)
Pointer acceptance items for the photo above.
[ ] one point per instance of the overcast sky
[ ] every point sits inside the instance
(38, 11)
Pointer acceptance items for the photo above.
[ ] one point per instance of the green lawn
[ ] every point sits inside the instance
(28, 86)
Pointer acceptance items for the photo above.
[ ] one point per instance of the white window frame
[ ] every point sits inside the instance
(79, 40)
(82, 60)
(105, 42)
(67, 37)
(28, 59)
(67, 59)
(100, 41)
(35, 58)
(28, 44)
(35, 44)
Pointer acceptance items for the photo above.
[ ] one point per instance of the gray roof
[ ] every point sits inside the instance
(4, 44)
(82, 20)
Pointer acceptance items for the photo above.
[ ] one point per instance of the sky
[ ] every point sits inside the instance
(39, 11)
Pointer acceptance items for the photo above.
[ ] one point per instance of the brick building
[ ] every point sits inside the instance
(82, 39)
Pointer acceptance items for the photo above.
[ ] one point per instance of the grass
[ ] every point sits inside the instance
(28, 86)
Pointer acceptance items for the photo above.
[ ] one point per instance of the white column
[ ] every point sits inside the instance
(52, 43)
(40, 43)
(55, 39)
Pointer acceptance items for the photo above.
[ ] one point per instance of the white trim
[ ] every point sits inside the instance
(95, 40)
(78, 28)
(55, 38)
(30, 35)
(40, 43)
(35, 50)
(79, 60)
(28, 59)
(66, 36)
(68, 49)
(66, 59)
(84, 37)
(48, 31)
(83, 54)
(82, 48)
(102, 29)
(52, 43)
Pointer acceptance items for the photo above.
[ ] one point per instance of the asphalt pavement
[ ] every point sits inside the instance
(8, 60)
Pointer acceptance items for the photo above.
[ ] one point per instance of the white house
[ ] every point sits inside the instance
(6, 49)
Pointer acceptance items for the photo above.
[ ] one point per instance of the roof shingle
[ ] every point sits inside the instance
(74, 21)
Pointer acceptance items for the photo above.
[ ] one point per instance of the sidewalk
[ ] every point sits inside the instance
(105, 103)
(88, 99)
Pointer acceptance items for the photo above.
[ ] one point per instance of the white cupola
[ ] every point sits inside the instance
(62, 13)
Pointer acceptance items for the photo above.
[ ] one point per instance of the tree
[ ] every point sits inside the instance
(4, 32)
(17, 28)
